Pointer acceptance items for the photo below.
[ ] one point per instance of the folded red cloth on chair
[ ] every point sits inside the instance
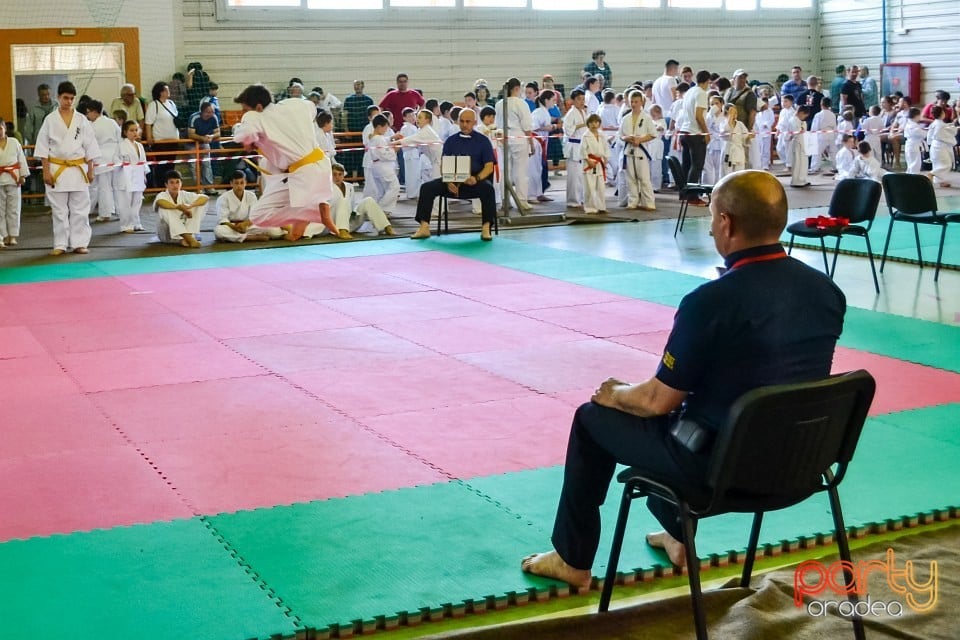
(825, 222)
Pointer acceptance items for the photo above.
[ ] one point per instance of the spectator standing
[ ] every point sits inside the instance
(835, 86)
(851, 93)
(871, 92)
(795, 86)
(598, 65)
(130, 103)
(37, 113)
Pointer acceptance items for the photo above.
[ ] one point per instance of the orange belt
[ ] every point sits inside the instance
(12, 169)
(64, 164)
(601, 161)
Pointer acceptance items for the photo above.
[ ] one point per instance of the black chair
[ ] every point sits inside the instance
(444, 215)
(911, 198)
(855, 199)
(686, 191)
(780, 445)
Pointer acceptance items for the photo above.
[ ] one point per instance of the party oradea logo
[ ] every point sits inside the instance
(912, 587)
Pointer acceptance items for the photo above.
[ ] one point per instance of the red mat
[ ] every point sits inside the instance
(109, 332)
(542, 294)
(443, 271)
(420, 383)
(261, 320)
(491, 331)
(607, 319)
(411, 307)
(127, 304)
(900, 385)
(286, 272)
(35, 379)
(81, 490)
(18, 342)
(651, 342)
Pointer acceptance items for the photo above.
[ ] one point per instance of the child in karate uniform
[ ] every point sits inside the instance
(411, 153)
(233, 212)
(713, 166)
(131, 178)
(324, 131)
(636, 129)
(384, 161)
(872, 127)
(369, 183)
(867, 165)
(846, 157)
(735, 137)
(763, 127)
(574, 126)
(793, 129)
(102, 188)
(825, 124)
(13, 173)
(350, 218)
(542, 127)
(180, 212)
(488, 127)
(655, 148)
(609, 114)
(941, 138)
(786, 131)
(596, 154)
(914, 135)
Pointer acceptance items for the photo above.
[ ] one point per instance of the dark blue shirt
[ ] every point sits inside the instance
(476, 145)
(765, 321)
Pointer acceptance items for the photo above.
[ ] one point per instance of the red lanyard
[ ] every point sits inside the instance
(779, 255)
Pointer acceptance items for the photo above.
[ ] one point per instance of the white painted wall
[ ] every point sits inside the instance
(927, 32)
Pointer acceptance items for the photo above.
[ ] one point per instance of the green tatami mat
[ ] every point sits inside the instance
(920, 341)
(938, 423)
(164, 580)
(336, 561)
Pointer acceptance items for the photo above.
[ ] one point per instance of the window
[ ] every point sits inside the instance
(521, 4)
(695, 4)
(67, 57)
(423, 3)
(741, 5)
(631, 4)
(565, 5)
(263, 3)
(342, 4)
(785, 4)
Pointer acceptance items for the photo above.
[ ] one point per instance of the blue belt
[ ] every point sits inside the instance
(573, 140)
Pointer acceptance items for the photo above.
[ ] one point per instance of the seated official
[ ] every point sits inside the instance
(466, 143)
(731, 335)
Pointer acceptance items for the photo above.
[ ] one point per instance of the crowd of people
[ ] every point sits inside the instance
(713, 125)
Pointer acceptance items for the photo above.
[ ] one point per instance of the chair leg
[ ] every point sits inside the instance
(844, 547)
(916, 235)
(615, 548)
(943, 236)
(440, 212)
(823, 252)
(873, 270)
(679, 225)
(751, 550)
(836, 252)
(886, 245)
(790, 246)
(693, 572)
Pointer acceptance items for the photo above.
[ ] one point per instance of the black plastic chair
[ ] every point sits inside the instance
(855, 199)
(911, 198)
(686, 191)
(444, 215)
(781, 444)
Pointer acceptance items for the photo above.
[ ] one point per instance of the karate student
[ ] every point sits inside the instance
(846, 157)
(428, 144)
(867, 165)
(180, 212)
(794, 130)
(942, 138)
(298, 192)
(108, 136)
(609, 114)
(786, 130)
(872, 127)
(368, 182)
(735, 138)
(68, 148)
(763, 127)
(596, 154)
(233, 213)
(542, 128)
(131, 179)
(488, 126)
(825, 123)
(636, 130)
(350, 218)
(574, 126)
(13, 173)
(519, 129)
(655, 147)
(713, 167)
(411, 153)
(324, 133)
(384, 164)
(914, 136)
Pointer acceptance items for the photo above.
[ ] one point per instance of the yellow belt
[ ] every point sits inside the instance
(76, 162)
(314, 156)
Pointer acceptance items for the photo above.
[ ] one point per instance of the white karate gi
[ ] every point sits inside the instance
(941, 137)
(107, 132)
(230, 208)
(69, 197)
(411, 161)
(872, 127)
(571, 151)
(326, 142)
(349, 216)
(594, 182)
(131, 182)
(713, 165)
(520, 126)
(846, 158)
(369, 187)
(424, 145)
(637, 164)
(541, 128)
(385, 172)
(174, 223)
(844, 127)
(734, 147)
(283, 132)
(655, 147)
(610, 123)
(914, 135)
(763, 126)
(13, 166)
(786, 125)
(494, 135)
(791, 132)
(825, 123)
(868, 168)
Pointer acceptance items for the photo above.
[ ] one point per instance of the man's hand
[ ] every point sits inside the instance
(453, 188)
(470, 181)
(604, 393)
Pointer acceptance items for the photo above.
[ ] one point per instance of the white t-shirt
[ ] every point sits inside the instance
(161, 119)
(695, 98)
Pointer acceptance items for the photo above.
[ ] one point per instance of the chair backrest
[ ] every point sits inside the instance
(855, 199)
(676, 170)
(779, 440)
(909, 194)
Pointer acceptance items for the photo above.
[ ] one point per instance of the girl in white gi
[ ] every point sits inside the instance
(369, 187)
(283, 134)
(13, 173)
(845, 125)
(488, 127)
(914, 135)
(637, 129)
(131, 178)
(825, 123)
(233, 213)
(68, 148)
(411, 154)
(542, 128)
(867, 165)
(763, 127)
(735, 137)
(424, 143)
(520, 144)
(180, 211)
(713, 166)
(655, 147)
(786, 130)
(350, 218)
(792, 130)
(872, 127)
(324, 131)
(846, 157)
(384, 165)
(941, 137)
(609, 114)
(596, 156)
(574, 126)
(102, 188)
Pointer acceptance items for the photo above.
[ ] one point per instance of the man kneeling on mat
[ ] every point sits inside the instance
(180, 212)
(729, 336)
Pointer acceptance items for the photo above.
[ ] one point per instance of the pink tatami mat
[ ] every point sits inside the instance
(651, 342)
(607, 319)
(411, 307)
(82, 306)
(270, 319)
(18, 342)
(109, 333)
(35, 379)
(542, 294)
(900, 385)
(443, 271)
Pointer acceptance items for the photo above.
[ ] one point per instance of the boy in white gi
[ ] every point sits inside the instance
(867, 165)
(369, 189)
(763, 127)
(825, 123)
(411, 154)
(793, 129)
(846, 157)
(713, 167)
(787, 127)
(520, 147)
(233, 213)
(298, 192)
(68, 148)
(574, 126)
(941, 138)
(914, 135)
(180, 212)
(735, 137)
(655, 147)
(488, 126)
(324, 131)
(636, 130)
(609, 114)
(384, 164)
(872, 127)
(596, 155)
(107, 133)
(350, 218)
(13, 173)
(131, 179)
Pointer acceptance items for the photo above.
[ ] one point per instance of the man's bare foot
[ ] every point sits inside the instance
(674, 548)
(551, 565)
